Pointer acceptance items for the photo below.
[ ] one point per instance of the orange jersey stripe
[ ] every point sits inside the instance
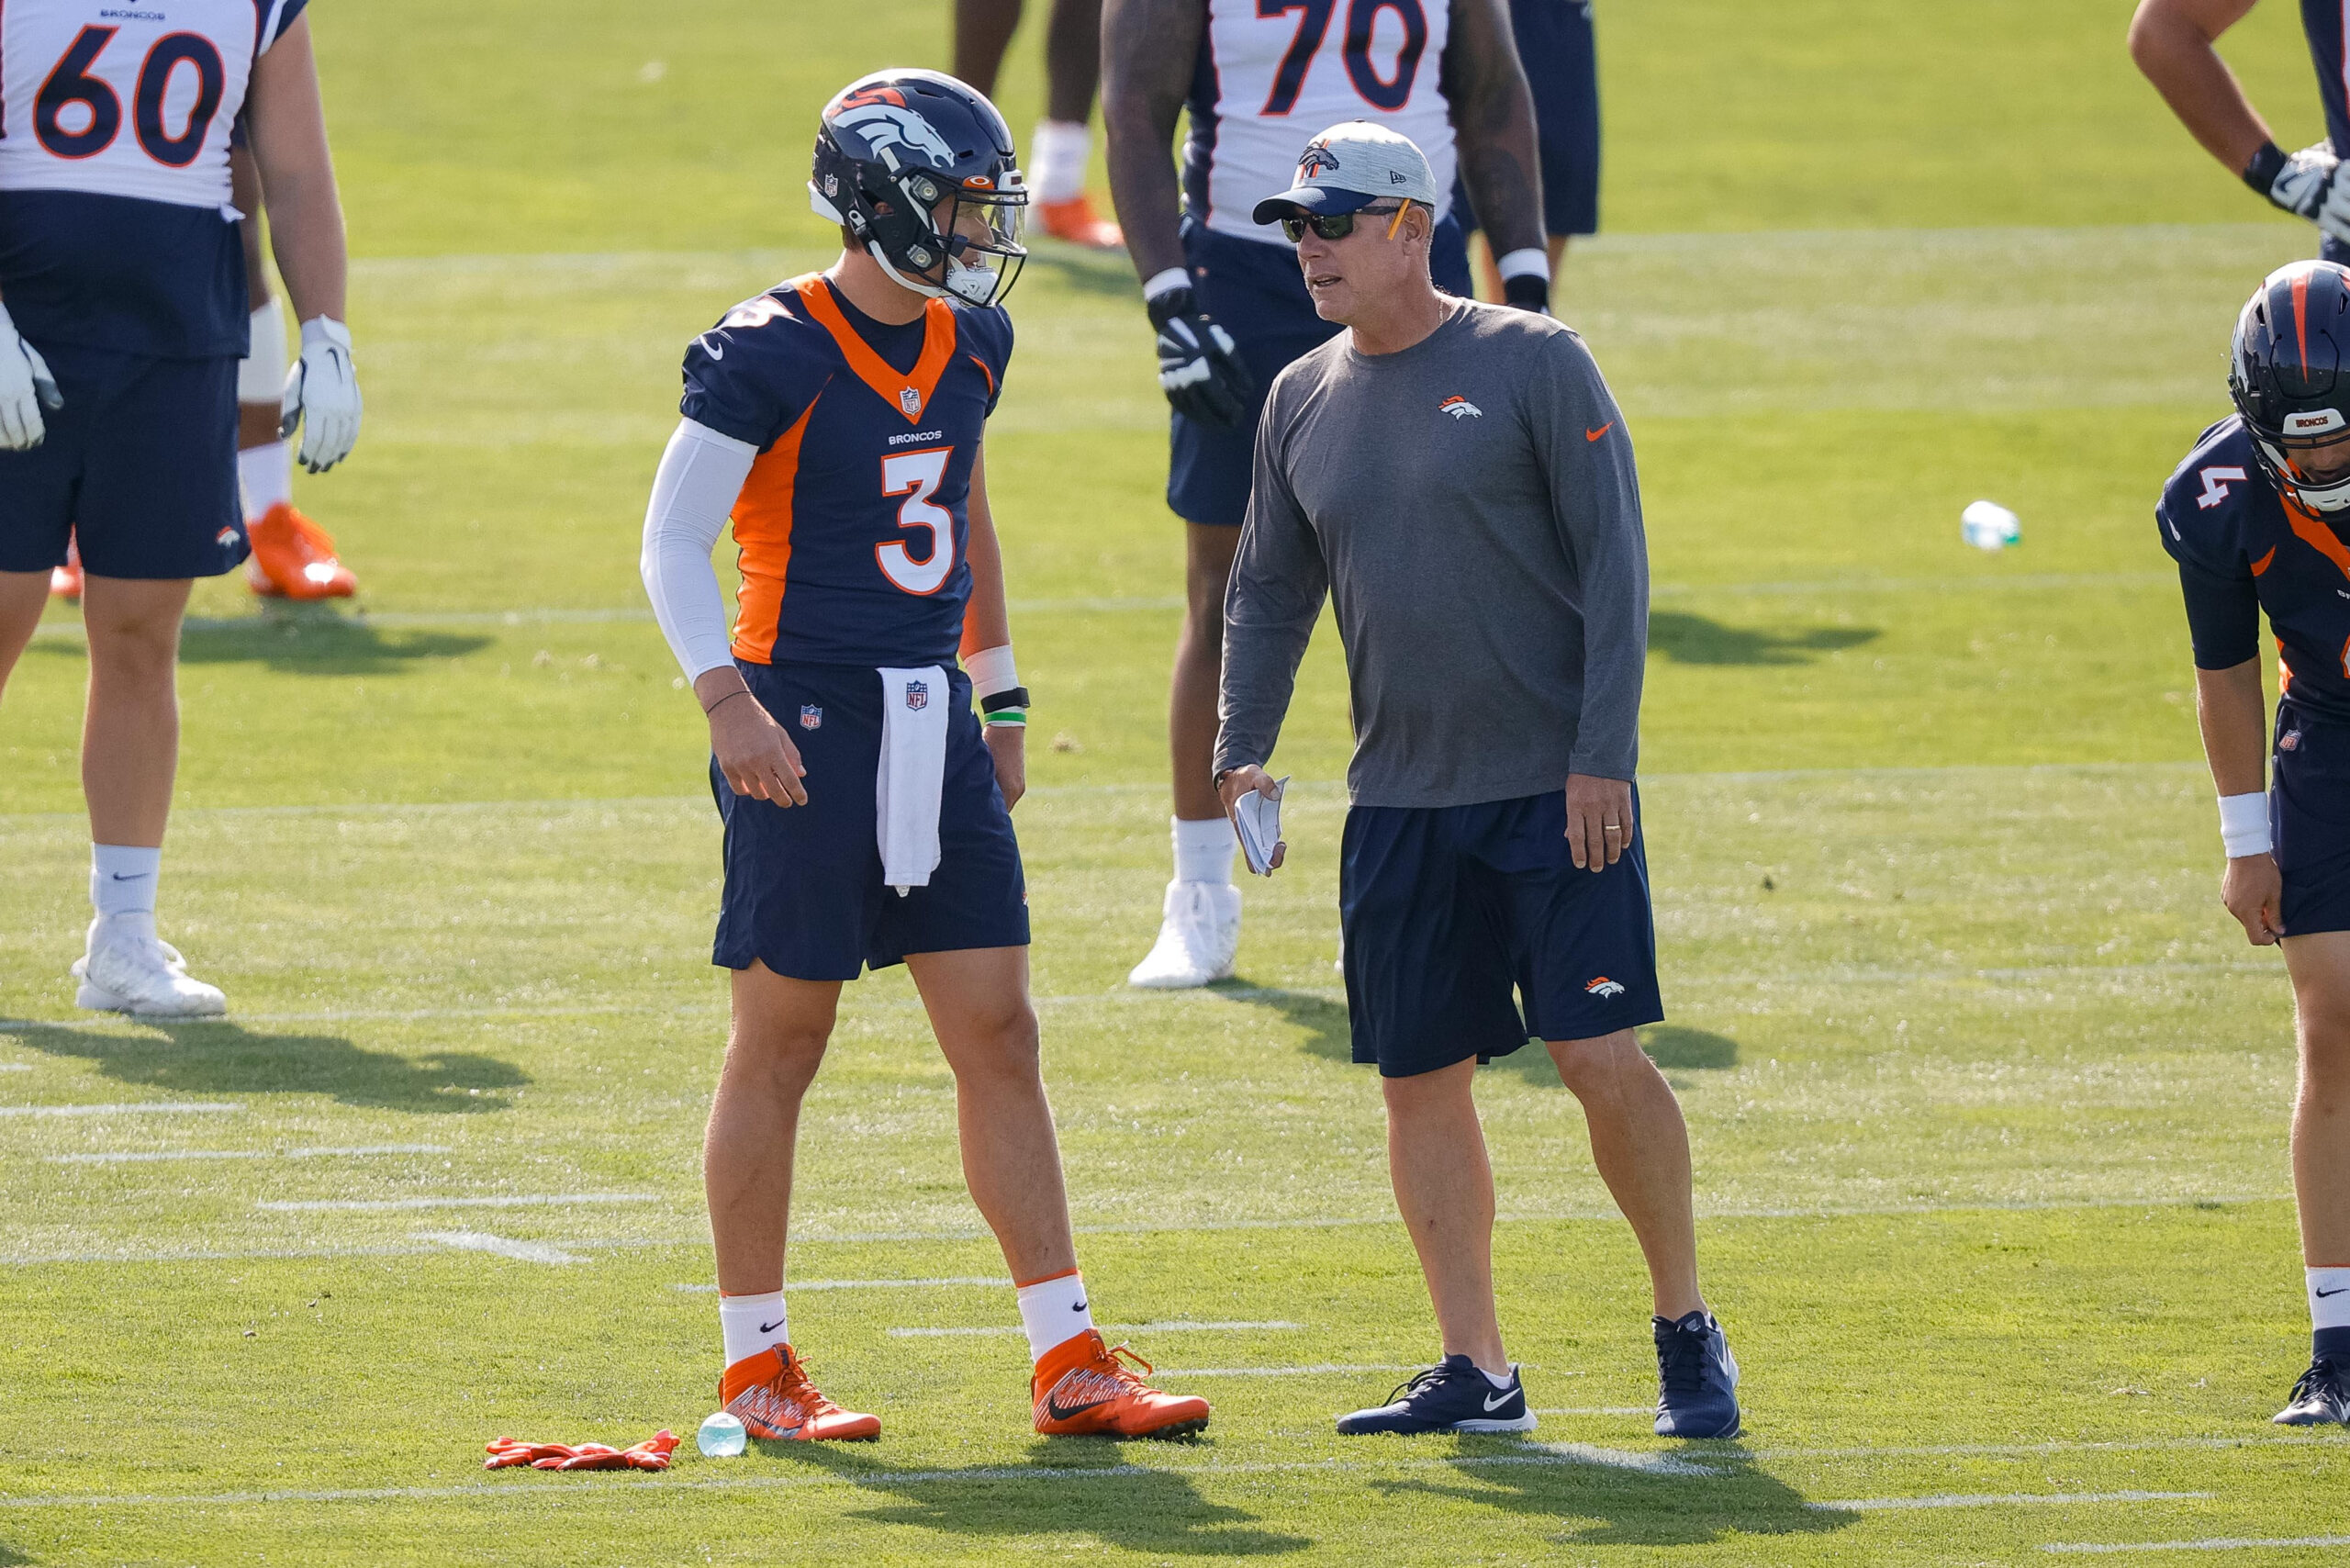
(763, 541)
(909, 394)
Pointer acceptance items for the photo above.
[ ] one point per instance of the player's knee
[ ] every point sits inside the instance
(1596, 1066)
(1005, 1046)
(786, 1056)
(135, 647)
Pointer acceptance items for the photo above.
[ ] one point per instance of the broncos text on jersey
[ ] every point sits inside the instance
(854, 523)
(2243, 550)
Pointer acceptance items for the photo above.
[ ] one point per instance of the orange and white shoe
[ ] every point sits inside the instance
(1083, 1389)
(65, 581)
(293, 558)
(770, 1395)
(1076, 223)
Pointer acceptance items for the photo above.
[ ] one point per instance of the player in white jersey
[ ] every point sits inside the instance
(122, 318)
(1258, 77)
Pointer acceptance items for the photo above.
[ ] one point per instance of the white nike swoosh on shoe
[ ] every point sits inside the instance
(1496, 1401)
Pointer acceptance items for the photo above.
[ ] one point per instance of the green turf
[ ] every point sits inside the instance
(1987, 1099)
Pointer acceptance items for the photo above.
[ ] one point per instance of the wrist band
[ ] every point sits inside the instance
(738, 691)
(992, 669)
(1005, 708)
(1166, 282)
(2244, 824)
(2265, 166)
(1529, 262)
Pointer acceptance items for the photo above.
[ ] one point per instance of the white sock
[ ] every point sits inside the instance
(1057, 154)
(1504, 1379)
(1054, 1311)
(2329, 1298)
(123, 878)
(752, 1323)
(1203, 851)
(267, 473)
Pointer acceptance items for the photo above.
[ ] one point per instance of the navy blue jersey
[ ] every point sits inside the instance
(2242, 549)
(2323, 21)
(115, 230)
(855, 522)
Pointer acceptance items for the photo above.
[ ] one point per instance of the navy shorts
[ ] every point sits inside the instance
(2309, 819)
(804, 893)
(140, 464)
(1447, 909)
(1562, 68)
(1255, 292)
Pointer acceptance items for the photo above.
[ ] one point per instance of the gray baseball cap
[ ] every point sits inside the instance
(1349, 166)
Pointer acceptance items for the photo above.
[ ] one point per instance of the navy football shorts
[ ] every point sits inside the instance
(140, 463)
(1446, 909)
(804, 893)
(1255, 292)
(1562, 68)
(2309, 819)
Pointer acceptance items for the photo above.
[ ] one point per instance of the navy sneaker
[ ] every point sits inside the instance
(2321, 1395)
(1697, 1379)
(1450, 1397)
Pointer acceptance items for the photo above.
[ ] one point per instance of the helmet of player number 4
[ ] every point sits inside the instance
(2289, 374)
(920, 168)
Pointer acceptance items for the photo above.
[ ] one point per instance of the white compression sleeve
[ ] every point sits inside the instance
(693, 493)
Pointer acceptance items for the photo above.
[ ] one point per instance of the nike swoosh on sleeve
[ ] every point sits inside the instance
(1595, 434)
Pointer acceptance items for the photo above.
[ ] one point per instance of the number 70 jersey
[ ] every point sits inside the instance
(1273, 74)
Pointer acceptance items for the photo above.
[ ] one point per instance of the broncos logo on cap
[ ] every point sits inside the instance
(1317, 158)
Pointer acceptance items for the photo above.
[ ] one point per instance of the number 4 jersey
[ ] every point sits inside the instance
(853, 525)
(115, 230)
(2242, 549)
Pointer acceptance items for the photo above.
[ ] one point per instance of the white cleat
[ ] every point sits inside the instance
(129, 969)
(1197, 938)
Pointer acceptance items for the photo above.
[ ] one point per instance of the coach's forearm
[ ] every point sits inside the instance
(2232, 713)
(1150, 49)
(1492, 124)
(2171, 40)
(1260, 677)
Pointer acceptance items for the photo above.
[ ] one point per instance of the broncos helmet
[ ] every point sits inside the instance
(894, 147)
(2289, 376)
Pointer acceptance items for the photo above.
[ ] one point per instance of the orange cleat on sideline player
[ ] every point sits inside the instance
(1083, 1389)
(770, 1395)
(1076, 223)
(65, 581)
(293, 558)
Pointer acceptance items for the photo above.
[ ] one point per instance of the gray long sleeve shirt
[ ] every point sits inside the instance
(1469, 503)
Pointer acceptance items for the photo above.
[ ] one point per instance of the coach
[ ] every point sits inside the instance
(1458, 477)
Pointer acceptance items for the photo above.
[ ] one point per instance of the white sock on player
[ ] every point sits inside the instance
(752, 1323)
(1053, 1311)
(2329, 1298)
(123, 878)
(1203, 851)
(1057, 155)
(266, 473)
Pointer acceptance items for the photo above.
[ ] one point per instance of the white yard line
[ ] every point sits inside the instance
(2022, 1451)
(512, 1201)
(153, 1108)
(146, 1157)
(2211, 1543)
(1999, 1500)
(1320, 1368)
(1625, 1459)
(796, 1287)
(1170, 1326)
(503, 1246)
(1598, 1410)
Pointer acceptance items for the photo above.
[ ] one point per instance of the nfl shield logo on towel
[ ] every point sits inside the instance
(811, 716)
(911, 402)
(917, 694)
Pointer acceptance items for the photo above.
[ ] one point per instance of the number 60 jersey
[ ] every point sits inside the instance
(115, 230)
(853, 526)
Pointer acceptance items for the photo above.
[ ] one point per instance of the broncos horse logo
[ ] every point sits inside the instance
(1317, 158)
(883, 126)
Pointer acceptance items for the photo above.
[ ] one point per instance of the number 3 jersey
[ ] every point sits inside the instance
(2242, 549)
(115, 230)
(853, 525)
(1273, 74)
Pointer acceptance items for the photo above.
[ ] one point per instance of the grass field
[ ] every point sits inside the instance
(1987, 1098)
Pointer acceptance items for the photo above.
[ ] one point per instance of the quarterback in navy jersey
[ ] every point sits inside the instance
(122, 320)
(2258, 520)
(836, 422)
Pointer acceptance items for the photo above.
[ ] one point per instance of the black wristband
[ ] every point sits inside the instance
(1165, 308)
(1528, 291)
(1013, 696)
(2265, 166)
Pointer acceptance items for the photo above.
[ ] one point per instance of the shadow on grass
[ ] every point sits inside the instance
(10, 1556)
(1669, 1045)
(1613, 1505)
(1329, 1035)
(308, 639)
(1129, 1506)
(225, 1058)
(1700, 640)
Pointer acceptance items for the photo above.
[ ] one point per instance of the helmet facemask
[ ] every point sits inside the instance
(940, 239)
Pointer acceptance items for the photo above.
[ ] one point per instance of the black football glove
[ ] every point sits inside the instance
(1199, 365)
(1528, 291)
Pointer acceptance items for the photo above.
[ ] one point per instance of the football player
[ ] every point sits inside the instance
(123, 314)
(2173, 43)
(2258, 518)
(1063, 144)
(1231, 309)
(836, 420)
(1555, 45)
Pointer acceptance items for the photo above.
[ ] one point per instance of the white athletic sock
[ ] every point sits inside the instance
(1203, 851)
(1057, 154)
(752, 1323)
(267, 473)
(123, 878)
(1054, 1311)
(2329, 1298)
(1502, 1379)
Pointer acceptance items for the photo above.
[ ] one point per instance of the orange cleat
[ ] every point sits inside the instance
(65, 581)
(293, 558)
(770, 1395)
(1083, 1389)
(1076, 223)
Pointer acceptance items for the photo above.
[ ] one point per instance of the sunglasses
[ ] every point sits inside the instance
(1338, 225)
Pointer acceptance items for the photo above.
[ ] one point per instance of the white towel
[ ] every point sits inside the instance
(913, 762)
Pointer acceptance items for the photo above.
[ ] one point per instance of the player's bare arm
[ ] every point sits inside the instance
(1150, 49)
(1239, 781)
(2175, 43)
(1492, 121)
(1599, 820)
(2231, 712)
(987, 623)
